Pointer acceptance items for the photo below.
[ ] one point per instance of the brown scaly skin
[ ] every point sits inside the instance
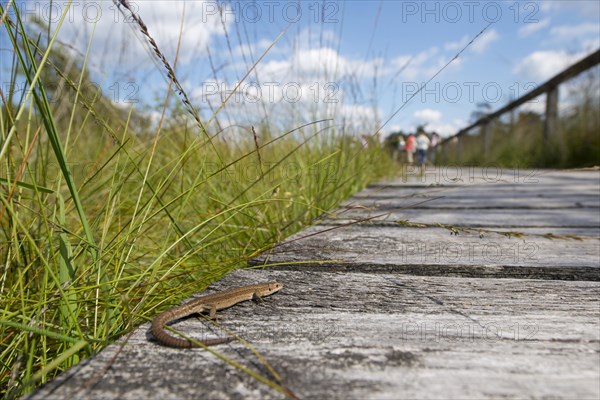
(210, 303)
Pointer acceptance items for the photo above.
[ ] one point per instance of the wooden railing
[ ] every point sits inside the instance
(550, 88)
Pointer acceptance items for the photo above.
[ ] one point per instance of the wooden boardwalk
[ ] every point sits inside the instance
(463, 283)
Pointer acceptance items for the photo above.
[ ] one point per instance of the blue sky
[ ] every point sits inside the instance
(356, 62)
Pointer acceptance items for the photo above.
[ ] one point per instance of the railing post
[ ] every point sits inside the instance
(551, 114)
(485, 133)
(554, 149)
(445, 153)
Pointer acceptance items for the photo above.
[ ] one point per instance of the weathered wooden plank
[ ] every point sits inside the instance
(417, 251)
(478, 198)
(355, 335)
(410, 200)
(501, 190)
(494, 177)
(552, 199)
(552, 219)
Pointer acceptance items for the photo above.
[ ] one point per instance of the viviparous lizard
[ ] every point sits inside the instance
(210, 303)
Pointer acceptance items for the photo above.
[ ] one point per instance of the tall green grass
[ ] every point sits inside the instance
(104, 222)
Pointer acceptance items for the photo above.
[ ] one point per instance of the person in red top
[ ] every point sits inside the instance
(410, 148)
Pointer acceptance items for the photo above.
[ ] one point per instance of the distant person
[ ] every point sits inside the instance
(410, 148)
(435, 140)
(401, 143)
(423, 143)
(401, 147)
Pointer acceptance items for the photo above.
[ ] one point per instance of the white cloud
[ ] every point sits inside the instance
(302, 88)
(421, 66)
(542, 65)
(321, 65)
(478, 46)
(572, 32)
(590, 45)
(117, 40)
(432, 119)
(358, 117)
(448, 128)
(530, 28)
(583, 7)
(297, 59)
(428, 115)
(253, 49)
(391, 128)
(298, 83)
(443, 129)
(482, 42)
(457, 45)
(582, 37)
